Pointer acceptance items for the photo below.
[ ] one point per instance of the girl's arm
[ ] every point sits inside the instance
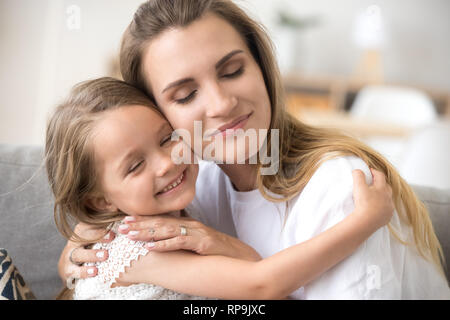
(277, 276)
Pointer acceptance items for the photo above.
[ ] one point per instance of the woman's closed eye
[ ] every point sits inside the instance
(233, 74)
(187, 98)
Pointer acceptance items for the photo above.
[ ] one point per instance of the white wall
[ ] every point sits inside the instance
(41, 58)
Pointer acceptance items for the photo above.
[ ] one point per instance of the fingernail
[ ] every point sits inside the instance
(100, 254)
(133, 233)
(150, 244)
(90, 271)
(123, 227)
(129, 219)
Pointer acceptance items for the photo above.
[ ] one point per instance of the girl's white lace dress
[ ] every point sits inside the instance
(122, 251)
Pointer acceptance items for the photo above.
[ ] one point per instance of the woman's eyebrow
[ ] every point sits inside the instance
(227, 57)
(217, 66)
(177, 83)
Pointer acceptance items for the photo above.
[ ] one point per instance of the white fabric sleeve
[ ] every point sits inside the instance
(327, 199)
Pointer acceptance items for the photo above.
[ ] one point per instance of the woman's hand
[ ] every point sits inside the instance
(373, 202)
(74, 254)
(164, 233)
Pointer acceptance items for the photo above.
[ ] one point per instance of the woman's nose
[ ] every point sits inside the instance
(221, 102)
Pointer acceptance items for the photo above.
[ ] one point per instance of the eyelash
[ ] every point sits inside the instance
(234, 74)
(188, 98)
(166, 139)
(137, 165)
(134, 168)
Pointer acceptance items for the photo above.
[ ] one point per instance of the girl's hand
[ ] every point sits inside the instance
(76, 251)
(373, 202)
(164, 233)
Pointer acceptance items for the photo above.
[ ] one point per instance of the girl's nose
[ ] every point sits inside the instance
(164, 164)
(221, 102)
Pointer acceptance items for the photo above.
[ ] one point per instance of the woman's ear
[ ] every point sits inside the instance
(100, 204)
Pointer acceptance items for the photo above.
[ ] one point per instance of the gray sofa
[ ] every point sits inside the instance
(28, 232)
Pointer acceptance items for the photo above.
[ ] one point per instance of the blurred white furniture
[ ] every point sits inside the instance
(426, 159)
(404, 107)
(398, 105)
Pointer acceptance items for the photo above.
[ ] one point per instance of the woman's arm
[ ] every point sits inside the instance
(277, 276)
(164, 233)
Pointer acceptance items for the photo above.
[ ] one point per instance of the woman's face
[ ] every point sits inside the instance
(205, 72)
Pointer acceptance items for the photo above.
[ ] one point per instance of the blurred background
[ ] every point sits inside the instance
(379, 70)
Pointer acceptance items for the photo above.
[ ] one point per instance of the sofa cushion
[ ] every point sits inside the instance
(12, 284)
(27, 228)
(437, 202)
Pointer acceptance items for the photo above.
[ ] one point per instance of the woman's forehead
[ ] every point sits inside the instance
(185, 49)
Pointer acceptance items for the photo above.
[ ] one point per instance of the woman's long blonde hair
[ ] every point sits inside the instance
(69, 157)
(302, 147)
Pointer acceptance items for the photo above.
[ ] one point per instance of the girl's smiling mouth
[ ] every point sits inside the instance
(174, 185)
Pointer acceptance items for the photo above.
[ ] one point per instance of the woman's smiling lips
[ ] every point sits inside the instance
(230, 127)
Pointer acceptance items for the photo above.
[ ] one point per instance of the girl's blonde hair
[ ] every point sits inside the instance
(69, 157)
(302, 147)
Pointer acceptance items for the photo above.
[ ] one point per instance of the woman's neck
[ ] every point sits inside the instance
(243, 176)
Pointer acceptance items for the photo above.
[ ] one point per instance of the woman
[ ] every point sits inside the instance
(207, 61)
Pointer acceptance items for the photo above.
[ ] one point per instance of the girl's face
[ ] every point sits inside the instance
(132, 147)
(205, 72)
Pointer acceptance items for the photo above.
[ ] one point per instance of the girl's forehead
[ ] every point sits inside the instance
(127, 119)
(127, 128)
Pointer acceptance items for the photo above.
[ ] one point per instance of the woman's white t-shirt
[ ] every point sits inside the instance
(381, 268)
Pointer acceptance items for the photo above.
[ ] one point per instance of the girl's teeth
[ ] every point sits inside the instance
(174, 184)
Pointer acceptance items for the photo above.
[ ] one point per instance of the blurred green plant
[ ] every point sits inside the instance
(289, 20)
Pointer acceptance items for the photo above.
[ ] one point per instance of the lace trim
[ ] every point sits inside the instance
(122, 251)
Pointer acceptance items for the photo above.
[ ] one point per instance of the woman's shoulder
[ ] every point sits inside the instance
(338, 170)
(330, 186)
(326, 199)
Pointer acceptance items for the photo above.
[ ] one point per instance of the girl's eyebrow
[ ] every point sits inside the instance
(217, 66)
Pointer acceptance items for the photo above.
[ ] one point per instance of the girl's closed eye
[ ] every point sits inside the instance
(135, 166)
(166, 139)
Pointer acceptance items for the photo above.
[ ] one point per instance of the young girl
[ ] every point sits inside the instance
(108, 157)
